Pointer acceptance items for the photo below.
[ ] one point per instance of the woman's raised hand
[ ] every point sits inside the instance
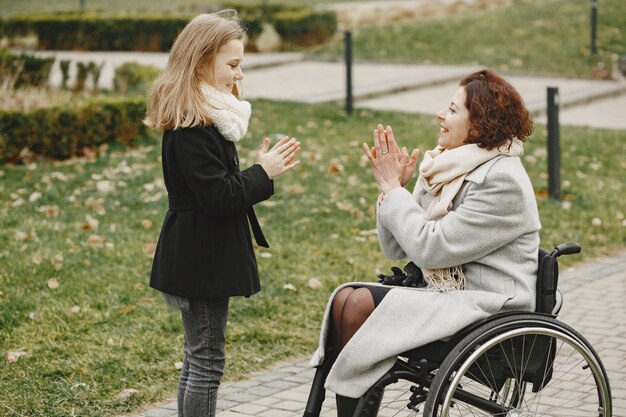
(391, 165)
(280, 159)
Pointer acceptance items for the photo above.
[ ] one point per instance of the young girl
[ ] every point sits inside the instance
(205, 252)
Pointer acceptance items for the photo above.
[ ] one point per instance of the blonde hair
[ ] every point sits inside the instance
(176, 99)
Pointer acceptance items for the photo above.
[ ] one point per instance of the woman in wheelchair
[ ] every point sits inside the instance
(471, 225)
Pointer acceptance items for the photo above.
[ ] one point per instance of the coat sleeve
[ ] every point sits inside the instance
(218, 192)
(388, 243)
(491, 215)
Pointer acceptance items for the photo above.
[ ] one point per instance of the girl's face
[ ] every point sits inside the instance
(227, 66)
(455, 122)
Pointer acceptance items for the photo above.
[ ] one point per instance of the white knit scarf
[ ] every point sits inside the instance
(442, 173)
(229, 115)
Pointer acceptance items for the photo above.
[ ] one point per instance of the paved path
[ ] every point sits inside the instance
(594, 295)
(410, 88)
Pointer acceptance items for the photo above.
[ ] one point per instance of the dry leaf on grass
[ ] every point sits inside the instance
(128, 309)
(294, 189)
(315, 284)
(53, 283)
(35, 316)
(128, 392)
(34, 196)
(149, 249)
(14, 356)
(335, 169)
(289, 287)
(95, 241)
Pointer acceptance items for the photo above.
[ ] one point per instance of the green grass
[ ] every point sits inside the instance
(548, 37)
(319, 224)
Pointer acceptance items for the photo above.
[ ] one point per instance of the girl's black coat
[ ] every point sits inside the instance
(205, 248)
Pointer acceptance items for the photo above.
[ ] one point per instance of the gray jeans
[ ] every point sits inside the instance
(203, 366)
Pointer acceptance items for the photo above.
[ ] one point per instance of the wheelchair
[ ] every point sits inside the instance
(512, 364)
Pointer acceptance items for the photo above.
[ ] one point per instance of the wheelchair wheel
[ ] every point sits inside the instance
(520, 366)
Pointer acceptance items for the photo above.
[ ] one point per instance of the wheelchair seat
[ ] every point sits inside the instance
(512, 364)
(548, 301)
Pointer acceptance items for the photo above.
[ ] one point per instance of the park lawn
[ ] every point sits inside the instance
(77, 237)
(530, 37)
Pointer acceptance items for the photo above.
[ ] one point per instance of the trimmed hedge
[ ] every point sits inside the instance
(305, 27)
(62, 132)
(72, 31)
(97, 33)
(24, 70)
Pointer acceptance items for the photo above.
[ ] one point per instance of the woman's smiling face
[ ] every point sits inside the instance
(455, 122)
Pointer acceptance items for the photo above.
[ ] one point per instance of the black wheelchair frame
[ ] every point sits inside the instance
(487, 368)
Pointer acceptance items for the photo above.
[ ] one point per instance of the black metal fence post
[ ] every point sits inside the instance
(554, 151)
(594, 23)
(348, 57)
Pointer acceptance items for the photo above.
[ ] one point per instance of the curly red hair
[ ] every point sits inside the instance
(497, 111)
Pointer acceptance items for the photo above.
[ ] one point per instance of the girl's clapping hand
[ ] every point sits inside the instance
(281, 158)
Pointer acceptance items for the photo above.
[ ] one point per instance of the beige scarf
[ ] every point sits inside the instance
(442, 173)
(229, 115)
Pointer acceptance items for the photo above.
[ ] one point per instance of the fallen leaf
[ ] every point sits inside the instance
(57, 262)
(178, 365)
(128, 309)
(294, 189)
(149, 249)
(104, 186)
(92, 222)
(19, 235)
(315, 283)
(75, 310)
(289, 287)
(146, 224)
(139, 286)
(34, 196)
(50, 211)
(335, 169)
(34, 316)
(265, 255)
(95, 241)
(128, 392)
(53, 283)
(596, 221)
(14, 356)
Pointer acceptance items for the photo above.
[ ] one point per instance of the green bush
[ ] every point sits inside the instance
(134, 79)
(98, 33)
(64, 131)
(24, 70)
(305, 27)
(94, 32)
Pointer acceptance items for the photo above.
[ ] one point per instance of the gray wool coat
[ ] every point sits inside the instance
(492, 230)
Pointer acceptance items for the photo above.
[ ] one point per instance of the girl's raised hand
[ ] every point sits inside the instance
(280, 159)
